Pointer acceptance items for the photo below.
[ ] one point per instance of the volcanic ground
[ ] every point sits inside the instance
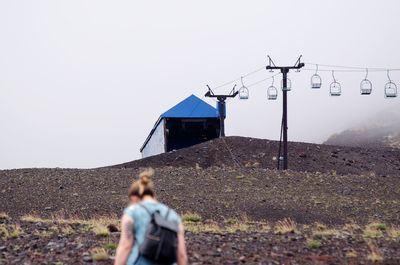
(234, 178)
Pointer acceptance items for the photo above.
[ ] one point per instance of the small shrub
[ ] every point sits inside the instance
(256, 164)
(352, 254)
(393, 232)
(99, 254)
(375, 254)
(67, 230)
(3, 231)
(326, 232)
(378, 226)
(284, 226)
(43, 234)
(371, 232)
(351, 227)
(30, 218)
(211, 228)
(111, 246)
(313, 244)
(231, 221)
(100, 229)
(4, 216)
(16, 231)
(189, 217)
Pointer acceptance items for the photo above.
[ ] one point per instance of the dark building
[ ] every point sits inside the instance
(190, 122)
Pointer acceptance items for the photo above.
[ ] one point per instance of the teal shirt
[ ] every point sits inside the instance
(141, 219)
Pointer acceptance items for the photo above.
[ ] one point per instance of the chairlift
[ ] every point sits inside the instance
(243, 91)
(288, 85)
(366, 85)
(390, 88)
(316, 80)
(272, 92)
(335, 89)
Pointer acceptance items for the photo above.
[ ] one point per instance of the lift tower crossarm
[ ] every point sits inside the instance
(284, 70)
(221, 104)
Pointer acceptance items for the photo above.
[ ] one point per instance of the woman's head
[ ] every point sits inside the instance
(143, 186)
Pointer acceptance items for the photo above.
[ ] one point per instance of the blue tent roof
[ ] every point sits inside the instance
(191, 107)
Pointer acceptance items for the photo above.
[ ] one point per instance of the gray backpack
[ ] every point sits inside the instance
(160, 240)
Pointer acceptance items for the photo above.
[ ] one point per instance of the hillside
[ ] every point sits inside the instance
(381, 131)
(342, 204)
(239, 152)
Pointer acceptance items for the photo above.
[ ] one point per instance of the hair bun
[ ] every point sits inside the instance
(145, 176)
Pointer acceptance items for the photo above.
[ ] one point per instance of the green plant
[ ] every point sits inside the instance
(110, 246)
(313, 244)
(231, 221)
(189, 217)
(378, 226)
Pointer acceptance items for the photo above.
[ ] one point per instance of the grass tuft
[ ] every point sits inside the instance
(4, 216)
(374, 253)
(100, 230)
(99, 254)
(111, 246)
(190, 217)
(231, 221)
(393, 232)
(313, 244)
(284, 226)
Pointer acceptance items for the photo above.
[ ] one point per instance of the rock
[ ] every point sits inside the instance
(51, 245)
(87, 259)
(47, 208)
(3, 248)
(303, 155)
(346, 192)
(112, 228)
(75, 194)
(80, 246)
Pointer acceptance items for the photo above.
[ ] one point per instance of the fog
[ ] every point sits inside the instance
(82, 82)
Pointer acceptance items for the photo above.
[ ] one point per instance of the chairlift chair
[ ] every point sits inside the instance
(390, 88)
(366, 85)
(288, 85)
(316, 80)
(335, 88)
(272, 93)
(243, 91)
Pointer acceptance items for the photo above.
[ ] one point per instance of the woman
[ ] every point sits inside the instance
(135, 220)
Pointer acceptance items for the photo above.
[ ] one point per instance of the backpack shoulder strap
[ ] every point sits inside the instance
(144, 207)
(166, 216)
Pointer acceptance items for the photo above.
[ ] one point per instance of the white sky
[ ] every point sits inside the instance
(82, 82)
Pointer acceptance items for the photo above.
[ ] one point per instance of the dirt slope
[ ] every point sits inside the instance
(213, 193)
(302, 157)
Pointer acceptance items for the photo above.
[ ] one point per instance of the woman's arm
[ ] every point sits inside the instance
(126, 240)
(182, 256)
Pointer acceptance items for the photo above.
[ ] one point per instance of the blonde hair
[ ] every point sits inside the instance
(143, 186)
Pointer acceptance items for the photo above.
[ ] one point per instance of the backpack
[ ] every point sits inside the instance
(160, 240)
